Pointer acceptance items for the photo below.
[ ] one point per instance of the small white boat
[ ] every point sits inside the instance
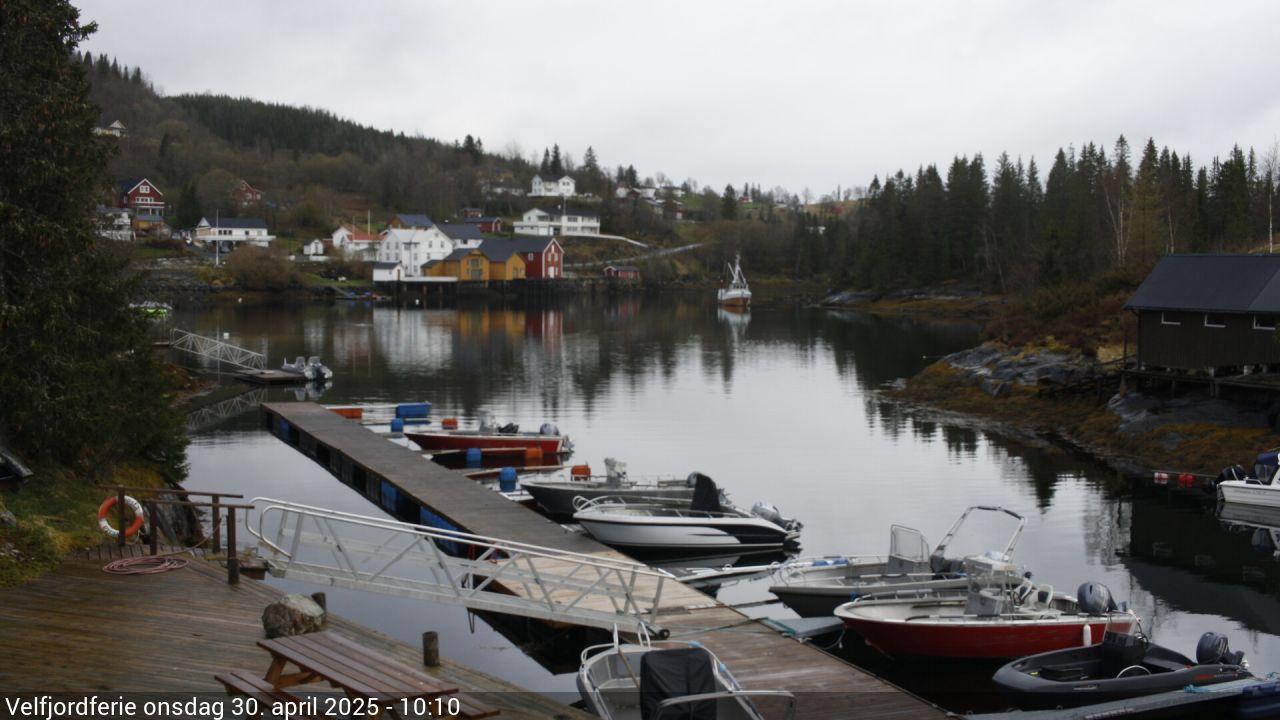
(556, 494)
(1260, 489)
(704, 524)
(814, 587)
(621, 681)
(736, 294)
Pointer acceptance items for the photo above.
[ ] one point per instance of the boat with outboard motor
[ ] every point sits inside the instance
(623, 681)
(311, 368)
(984, 622)
(1124, 665)
(736, 294)
(708, 522)
(1260, 488)
(489, 435)
(814, 587)
(556, 494)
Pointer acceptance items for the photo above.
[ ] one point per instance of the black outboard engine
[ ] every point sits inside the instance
(1232, 472)
(1213, 649)
(548, 429)
(1095, 599)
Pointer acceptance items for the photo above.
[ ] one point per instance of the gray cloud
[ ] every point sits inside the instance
(803, 94)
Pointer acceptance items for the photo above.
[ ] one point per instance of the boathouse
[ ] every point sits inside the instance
(1212, 313)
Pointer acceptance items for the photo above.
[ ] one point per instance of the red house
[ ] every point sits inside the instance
(487, 224)
(143, 198)
(246, 194)
(543, 256)
(623, 272)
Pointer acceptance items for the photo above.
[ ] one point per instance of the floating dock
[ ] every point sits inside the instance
(80, 630)
(759, 657)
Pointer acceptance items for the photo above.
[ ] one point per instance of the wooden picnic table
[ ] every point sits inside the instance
(359, 673)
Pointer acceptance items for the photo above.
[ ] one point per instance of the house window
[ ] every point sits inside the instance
(1215, 320)
(144, 189)
(1264, 322)
(1169, 319)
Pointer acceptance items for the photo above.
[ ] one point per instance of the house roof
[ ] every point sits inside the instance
(127, 185)
(414, 221)
(556, 212)
(234, 223)
(360, 236)
(481, 220)
(530, 243)
(460, 231)
(495, 250)
(1211, 283)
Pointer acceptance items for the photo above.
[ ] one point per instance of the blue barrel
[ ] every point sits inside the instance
(283, 429)
(473, 457)
(507, 479)
(397, 425)
(416, 411)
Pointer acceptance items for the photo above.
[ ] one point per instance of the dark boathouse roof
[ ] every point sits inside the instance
(1211, 283)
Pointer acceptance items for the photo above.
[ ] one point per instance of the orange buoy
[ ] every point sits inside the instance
(105, 508)
(449, 423)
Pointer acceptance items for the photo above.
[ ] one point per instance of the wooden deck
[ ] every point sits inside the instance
(761, 658)
(78, 629)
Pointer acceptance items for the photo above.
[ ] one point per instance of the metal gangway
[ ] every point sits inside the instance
(223, 409)
(215, 349)
(482, 573)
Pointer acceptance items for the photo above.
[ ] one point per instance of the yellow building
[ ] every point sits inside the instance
(492, 260)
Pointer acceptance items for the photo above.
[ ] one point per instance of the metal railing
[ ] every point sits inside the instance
(481, 573)
(216, 507)
(217, 412)
(216, 350)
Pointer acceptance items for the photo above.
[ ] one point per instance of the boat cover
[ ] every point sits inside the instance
(706, 496)
(665, 674)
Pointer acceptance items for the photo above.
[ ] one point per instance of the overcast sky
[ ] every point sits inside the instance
(799, 94)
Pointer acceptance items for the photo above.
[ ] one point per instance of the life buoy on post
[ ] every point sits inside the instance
(105, 509)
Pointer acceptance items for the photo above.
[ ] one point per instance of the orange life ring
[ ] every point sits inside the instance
(105, 508)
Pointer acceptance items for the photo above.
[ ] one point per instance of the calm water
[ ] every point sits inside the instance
(779, 405)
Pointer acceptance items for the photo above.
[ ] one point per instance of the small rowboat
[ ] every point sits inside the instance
(1122, 666)
(548, 439)
(984, 622)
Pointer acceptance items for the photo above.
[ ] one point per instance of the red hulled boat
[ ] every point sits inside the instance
(548, 439)
(984, 623)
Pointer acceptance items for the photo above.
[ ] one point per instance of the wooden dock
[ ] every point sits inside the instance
(79, 629)
(761, 658)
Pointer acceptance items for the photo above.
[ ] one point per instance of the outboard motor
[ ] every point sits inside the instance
(615, 471)
(548, 429)
(1095, 599)
(766, 511)
(1232, 472)
(1213, 649)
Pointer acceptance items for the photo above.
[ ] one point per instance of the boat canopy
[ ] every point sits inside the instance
(706, 496)
(679, 672)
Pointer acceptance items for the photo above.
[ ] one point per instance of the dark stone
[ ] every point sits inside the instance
(292, 615)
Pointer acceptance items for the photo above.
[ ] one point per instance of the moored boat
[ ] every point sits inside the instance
(556, 494)
(814, 587)
(985, 622)
(737, 294)
(705, 524)
(548, 440)
(1122, 666)
(669, 679)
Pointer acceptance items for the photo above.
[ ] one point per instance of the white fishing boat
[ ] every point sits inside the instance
(736, 294)
(1261, 488)
(704, 524)
(556, 494)
(622, 681)
(814, 587)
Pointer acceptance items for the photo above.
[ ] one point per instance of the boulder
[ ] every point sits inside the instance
(995, 388)
(292, 615)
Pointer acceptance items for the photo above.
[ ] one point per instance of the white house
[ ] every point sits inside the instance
(314, 250)
(115, 129)
(354, 243)
(403, 251)
(230, 231)
(558, 222)
(564, 187)
(115, 223)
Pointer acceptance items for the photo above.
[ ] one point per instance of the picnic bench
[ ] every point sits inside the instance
(362, 675)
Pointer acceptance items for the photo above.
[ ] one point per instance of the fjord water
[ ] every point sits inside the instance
(780, 405)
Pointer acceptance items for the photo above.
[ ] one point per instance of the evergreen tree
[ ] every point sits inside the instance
(1148, 233)
(188, 212)
(72, 352)
(557, 166)
(545, 168)
(729, 204)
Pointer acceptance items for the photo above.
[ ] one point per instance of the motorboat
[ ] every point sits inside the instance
(489, 435)
(814, 587)
(672, 680)
(1122, 666)
(310, 368)
(1260, 488)
(736, 294)
(556, 494)
(985, 621)
(707, 523)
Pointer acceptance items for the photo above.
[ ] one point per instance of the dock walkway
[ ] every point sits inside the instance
(80, 630)
(825, 686)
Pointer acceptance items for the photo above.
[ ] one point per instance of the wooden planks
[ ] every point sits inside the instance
(758, 656)
(78, 629)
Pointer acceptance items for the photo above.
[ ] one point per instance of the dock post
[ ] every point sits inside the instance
(233, 562)
(120, 513)
(431, 648)
(153, 533)
(217, 526)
